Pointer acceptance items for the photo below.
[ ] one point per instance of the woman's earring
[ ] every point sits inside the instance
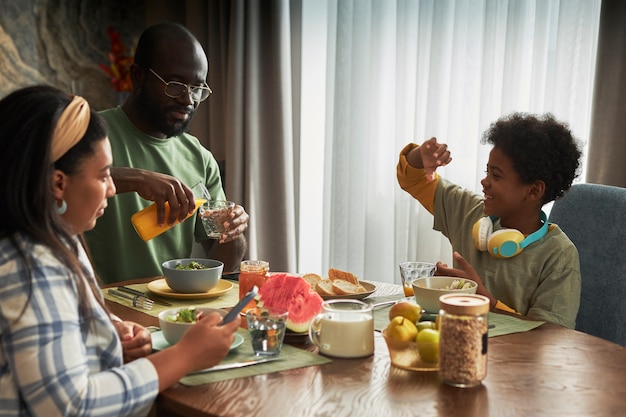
(62, 208)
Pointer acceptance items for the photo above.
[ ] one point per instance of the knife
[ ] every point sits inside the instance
(137, 292)
(235, 365)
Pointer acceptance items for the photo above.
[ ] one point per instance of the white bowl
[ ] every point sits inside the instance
(191, 281)
(173, 331)
(427, 290)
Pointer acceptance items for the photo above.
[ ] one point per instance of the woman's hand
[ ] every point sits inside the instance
(136, 340)
(206, 342)
(204, 345)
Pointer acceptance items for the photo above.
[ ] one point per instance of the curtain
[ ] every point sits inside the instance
(608, 129)
(310, 119)
(251, 119)
(396, 72)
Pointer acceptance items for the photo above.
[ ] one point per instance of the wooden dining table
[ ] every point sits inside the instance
(547, 371)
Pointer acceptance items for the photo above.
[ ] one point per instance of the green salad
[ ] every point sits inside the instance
(191, 265)
(184, 315)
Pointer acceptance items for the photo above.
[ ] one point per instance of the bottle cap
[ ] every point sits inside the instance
(471, 304)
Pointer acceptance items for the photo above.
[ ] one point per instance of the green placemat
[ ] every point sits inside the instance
(293, 358)
(227, 300)
(499, 324)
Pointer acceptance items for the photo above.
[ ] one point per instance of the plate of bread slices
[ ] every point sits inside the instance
(339, 284)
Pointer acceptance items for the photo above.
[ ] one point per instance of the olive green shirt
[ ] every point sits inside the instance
(542, 282)
(117, 251)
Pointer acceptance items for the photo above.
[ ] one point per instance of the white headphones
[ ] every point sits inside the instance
(504, 243)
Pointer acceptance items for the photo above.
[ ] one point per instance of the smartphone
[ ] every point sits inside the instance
(240, 305)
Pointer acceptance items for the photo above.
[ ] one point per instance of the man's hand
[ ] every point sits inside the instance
(232, 245)
(237, 224)
(157, 187)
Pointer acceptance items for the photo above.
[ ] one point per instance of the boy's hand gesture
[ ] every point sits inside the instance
(434, 155)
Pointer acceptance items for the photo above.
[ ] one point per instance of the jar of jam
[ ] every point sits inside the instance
(251, 273)
(463, 339)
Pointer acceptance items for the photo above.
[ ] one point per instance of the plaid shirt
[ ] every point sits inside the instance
(53, 361)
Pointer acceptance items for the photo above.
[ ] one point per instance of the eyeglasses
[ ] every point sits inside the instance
(174, 89)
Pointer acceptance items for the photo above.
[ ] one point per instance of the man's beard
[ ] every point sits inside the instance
(157, 119)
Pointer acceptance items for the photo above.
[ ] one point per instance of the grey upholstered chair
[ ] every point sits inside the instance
(594, 217)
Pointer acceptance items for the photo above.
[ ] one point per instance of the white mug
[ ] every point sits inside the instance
(344, 329)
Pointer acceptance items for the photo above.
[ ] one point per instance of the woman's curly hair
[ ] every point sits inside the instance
(541, 148)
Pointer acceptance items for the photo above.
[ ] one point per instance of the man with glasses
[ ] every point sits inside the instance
(156, 159)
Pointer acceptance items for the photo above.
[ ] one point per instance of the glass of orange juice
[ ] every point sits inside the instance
(251, 273)
(413, 270)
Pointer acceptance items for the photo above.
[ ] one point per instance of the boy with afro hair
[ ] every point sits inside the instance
(521, 263)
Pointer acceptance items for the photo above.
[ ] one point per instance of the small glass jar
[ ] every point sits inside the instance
(251, 273)
(463, 339)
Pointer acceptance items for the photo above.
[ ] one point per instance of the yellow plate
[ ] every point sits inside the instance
(160, 287)
(357, 296)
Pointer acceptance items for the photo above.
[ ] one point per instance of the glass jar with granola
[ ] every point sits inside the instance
(463, 339)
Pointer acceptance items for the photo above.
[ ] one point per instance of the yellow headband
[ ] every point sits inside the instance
(70, 128)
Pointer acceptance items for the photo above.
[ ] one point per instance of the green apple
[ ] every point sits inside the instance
(425, 325)
(428, 345)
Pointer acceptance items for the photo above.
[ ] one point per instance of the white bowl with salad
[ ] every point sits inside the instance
(192, 275)
(176, 321)
(427, 290)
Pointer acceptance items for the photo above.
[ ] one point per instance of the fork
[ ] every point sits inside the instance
(137, 292)
(139, 301)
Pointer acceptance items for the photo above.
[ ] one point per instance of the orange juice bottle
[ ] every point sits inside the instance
(145, 221)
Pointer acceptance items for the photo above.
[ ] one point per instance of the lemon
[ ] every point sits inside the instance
(406, 309)
(401, 329)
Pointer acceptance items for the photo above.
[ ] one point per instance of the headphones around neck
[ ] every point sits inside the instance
(504, 243)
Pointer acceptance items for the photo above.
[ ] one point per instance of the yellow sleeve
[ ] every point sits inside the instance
(413, 180)
(501, 306)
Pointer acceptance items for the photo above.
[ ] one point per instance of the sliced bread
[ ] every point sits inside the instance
(343, 287)
(334, 274)
(324, 287)
(312, 279)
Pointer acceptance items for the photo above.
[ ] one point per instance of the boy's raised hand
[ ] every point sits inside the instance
(434, 155)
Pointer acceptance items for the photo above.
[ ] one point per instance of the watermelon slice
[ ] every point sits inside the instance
(293, 294)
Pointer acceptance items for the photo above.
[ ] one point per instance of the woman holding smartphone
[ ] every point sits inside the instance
(61, 351)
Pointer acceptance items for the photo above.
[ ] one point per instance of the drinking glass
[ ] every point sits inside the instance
(413, 270)
(213, 215)
(267, 330)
